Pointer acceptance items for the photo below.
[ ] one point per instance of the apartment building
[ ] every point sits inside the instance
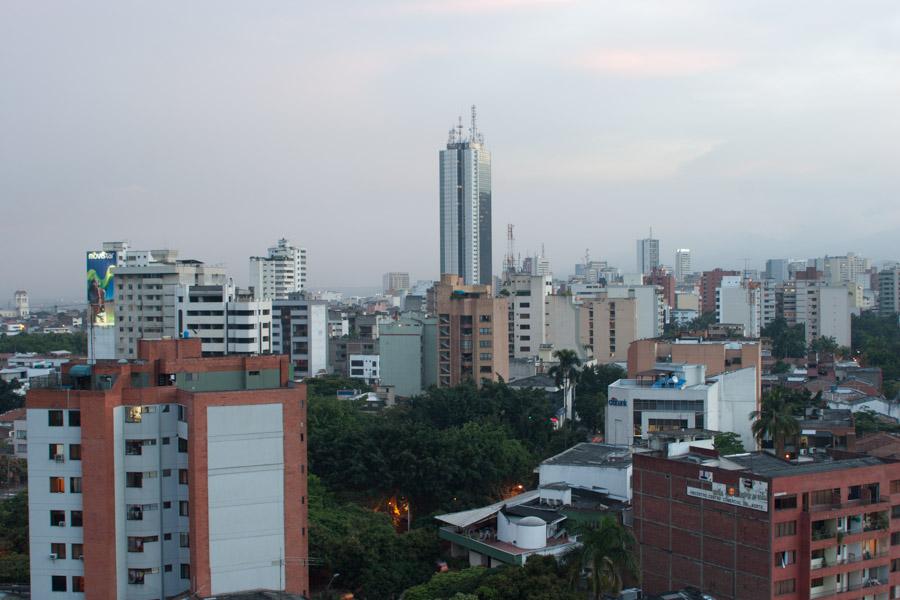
(739, 302)
(408, 354)
(473, 342)
(709, 282)
(889, 292)
(300, 330)
(755, 526)
(171, 474)
(228, 320)
(527, 296)
(394, 282)
(609, 326)
(282, 272)
(824, 310)
(149, 287)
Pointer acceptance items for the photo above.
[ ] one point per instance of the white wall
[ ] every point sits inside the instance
(246, 497)
(736, 400)
(617, 481)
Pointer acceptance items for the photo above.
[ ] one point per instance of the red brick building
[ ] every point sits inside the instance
(169, 474)
(753, 526)
(709, 281)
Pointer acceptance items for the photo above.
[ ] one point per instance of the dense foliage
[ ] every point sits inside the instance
(42, 343)
(876, 340)
(10, 397)
(540, 579)
(728, 443)
(590, 394)
(14, 539)
(788, 341)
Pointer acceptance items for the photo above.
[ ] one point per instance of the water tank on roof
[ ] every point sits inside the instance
(531, 533)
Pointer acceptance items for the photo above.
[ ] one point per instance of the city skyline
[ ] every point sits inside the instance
(216, 129)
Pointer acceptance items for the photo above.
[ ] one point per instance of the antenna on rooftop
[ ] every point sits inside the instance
(459, 130)
(510, 249)
(474, 129)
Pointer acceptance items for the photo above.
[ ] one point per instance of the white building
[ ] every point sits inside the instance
(600, 467)
(842, 270)
(226, 319)
(527, 295)
(682, 263)
(365, 367)
(680, 396)
(738, 303)
(22, 310)
(300, 330)
(279, 274)
(563, 324)
(651, 309)
(394, 282)
(824, 310)
(647, 254)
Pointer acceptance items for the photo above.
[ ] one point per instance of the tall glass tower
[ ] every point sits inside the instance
(465, 168)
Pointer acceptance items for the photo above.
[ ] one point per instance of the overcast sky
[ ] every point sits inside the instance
(738, 129)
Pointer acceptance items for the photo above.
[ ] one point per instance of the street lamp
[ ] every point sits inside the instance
(330, 581)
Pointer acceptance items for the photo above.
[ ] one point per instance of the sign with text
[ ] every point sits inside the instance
(750, 493)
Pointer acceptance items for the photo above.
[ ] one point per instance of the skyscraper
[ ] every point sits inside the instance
(647, 254)
(280, 273)
(682, 263)
(465, 210)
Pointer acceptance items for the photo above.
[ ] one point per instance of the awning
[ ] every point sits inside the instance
(80, 371)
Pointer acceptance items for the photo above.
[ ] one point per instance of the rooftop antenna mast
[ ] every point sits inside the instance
(459, 130)
(474, 131)
(510, 250)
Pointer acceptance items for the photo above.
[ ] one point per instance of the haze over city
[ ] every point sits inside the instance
(742, 131)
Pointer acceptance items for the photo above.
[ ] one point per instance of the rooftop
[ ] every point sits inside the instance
(768, 465)
(587, 454)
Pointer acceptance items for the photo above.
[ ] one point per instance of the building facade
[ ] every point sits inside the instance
(754, 526)
(172, 474)
(740, 303)
(647, 255)
(709, 282)
(527, 295)
(473, 342)
(394, 282)
(682, 263)
(465, 207)
(281, 273)
(300, 330)
(227, 320)
(889, 292)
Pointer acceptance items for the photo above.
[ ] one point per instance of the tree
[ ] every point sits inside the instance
(780, 367)
(565, 373)
(775, 419)
(42, 343)
(788, 341)
(590, 409)
(728, 443)
(10, 397)
(14, 539)
(824, 345)
(607, 553)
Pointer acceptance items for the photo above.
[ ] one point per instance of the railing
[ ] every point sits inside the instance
(849, 560)
(823, 535)
(850, 588)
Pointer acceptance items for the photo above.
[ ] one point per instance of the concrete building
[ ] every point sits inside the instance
(300, 330)
(526, 295)
(227, 320)
(662, 278)
(777, 269)
(889, 292)
(590, 466)
(651, 310)
(465, 206)
(365, 367)
(22, 310)
(167, 476)
(739, 303)
(844, 270)
(675, 396)
(647, 254)
(408, 354)
(394, 282)
(608, 327)
(149, 288)
(563, 323)
(473, 342)
(281, 273)
(340, 350)
(754, 526)
(824, 310)
(709, 282)
(682, 264)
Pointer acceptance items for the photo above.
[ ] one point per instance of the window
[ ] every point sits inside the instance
(136, 576)
(484, 356)
(57, 485)
(895, 486)
(184, 540)
(785, 558)
(77, 551)
(185, 571)
(59, 549)
(134, 512)
(167, 568)
(166, 441)
(133, 414)
(74, 451)
(75, 485)
(134, 479)
(183, 476)
(77, 583)
(167, 504)
(182, 445)
(58, 583)
(57, 452)
(167, 537)
(55, 419)
(57, 518)
(816, 582)
(134, 447)
(785, 503)
(786, 528)
(183, 508)
(167, 472)
(77, 517)
(788, 586)
(484, 331)
(484, 343)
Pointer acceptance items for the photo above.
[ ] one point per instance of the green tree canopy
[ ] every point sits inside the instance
(788, 341)
(728, 443)
(42, 343)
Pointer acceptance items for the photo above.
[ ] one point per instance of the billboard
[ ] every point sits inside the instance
(101, 266)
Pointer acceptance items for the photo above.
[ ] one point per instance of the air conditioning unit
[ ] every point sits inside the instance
(60, 458)
(53, 556)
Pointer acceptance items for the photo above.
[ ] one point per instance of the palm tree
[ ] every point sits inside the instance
(775, 419)
(607, 552)
(565, 373)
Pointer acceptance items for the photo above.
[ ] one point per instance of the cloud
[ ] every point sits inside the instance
(652, 62)
(466, 7)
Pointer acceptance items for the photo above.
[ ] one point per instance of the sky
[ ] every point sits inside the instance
(741, 130)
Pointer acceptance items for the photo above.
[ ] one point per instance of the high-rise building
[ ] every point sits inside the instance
(778, 269)
(740, 303)
(682, 263)
(171, 475)
(280, 273)
(473, 343)
(465, 206)
(300, 330)
(647, 254)
(842, 270)
(22, 310)
(889, 292)
(394, 282)
(709, 281)
(527, 295)
(228, 320)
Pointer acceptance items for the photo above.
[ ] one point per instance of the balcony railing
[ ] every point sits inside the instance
(853, 558)
(869, 583)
